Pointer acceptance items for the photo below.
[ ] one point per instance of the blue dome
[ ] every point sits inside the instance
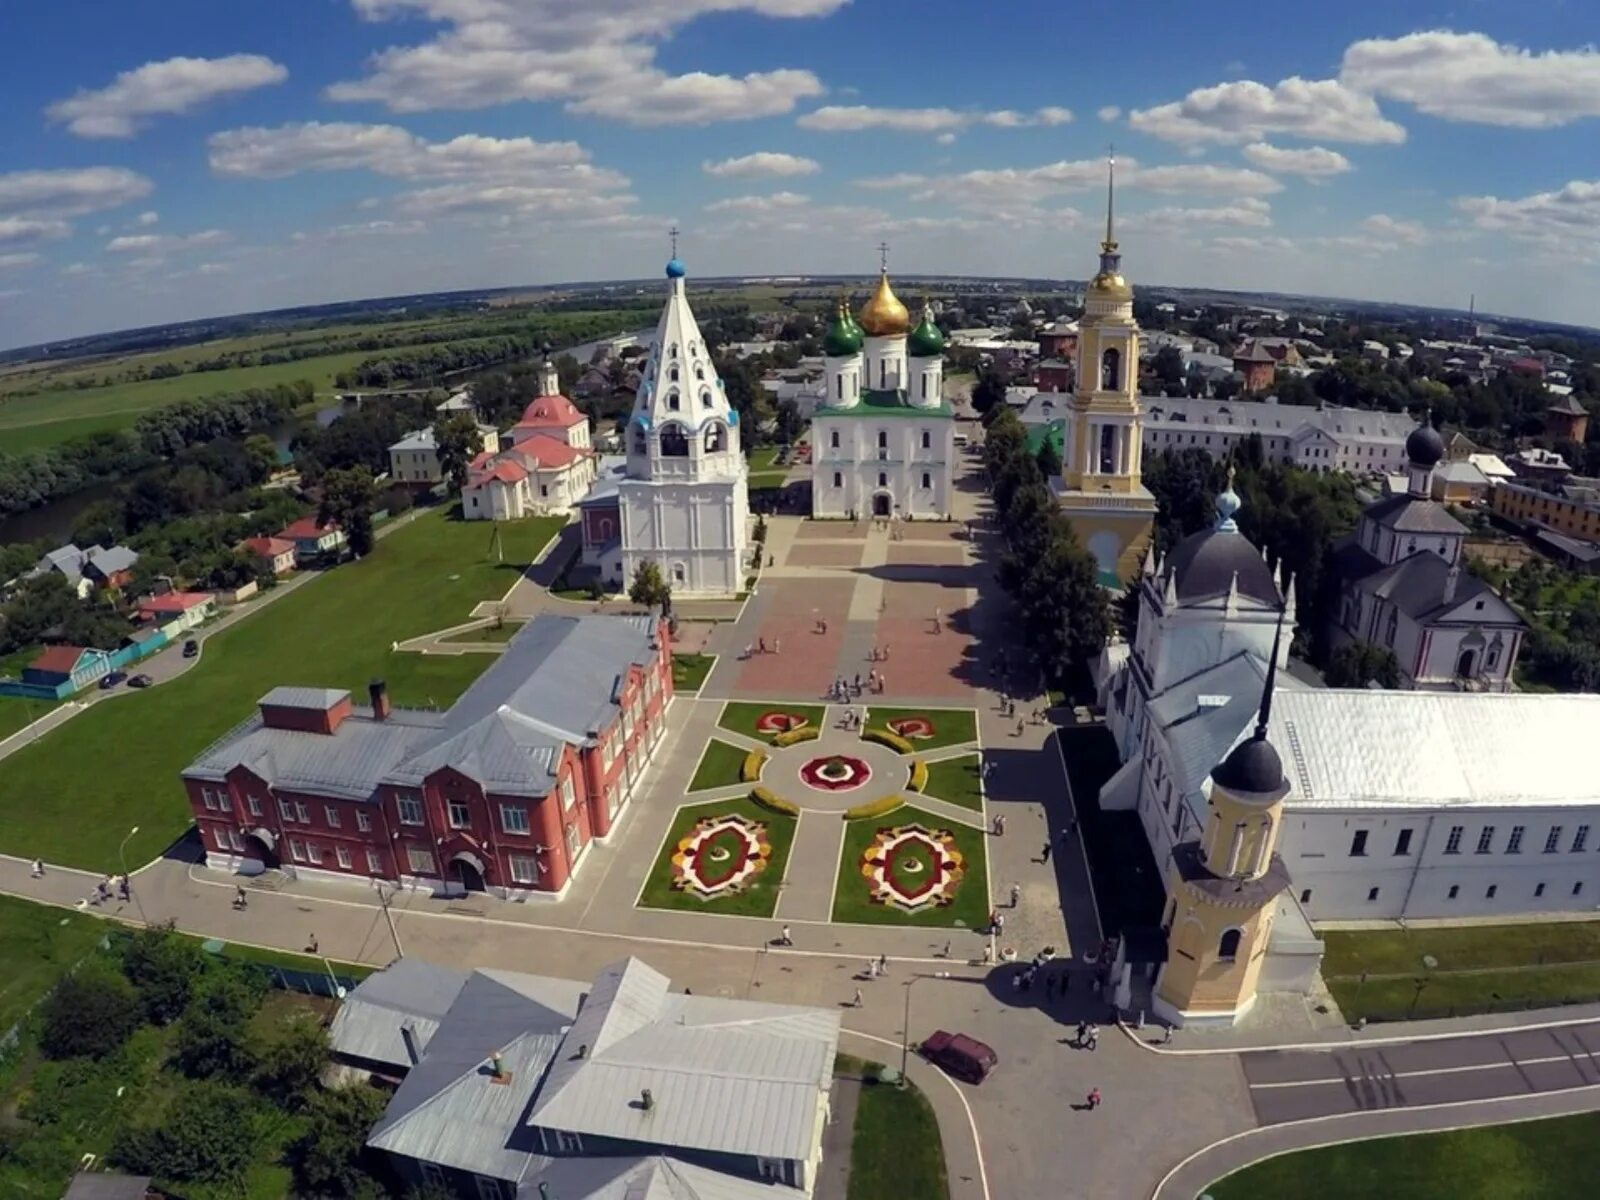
(675, 268)
(1228, 505)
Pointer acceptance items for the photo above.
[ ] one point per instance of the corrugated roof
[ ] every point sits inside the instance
(349, 763)
(1200, 735)
(1412, 514)
(406, 992)
(656, 1177)
(417, 439)
(321, 699)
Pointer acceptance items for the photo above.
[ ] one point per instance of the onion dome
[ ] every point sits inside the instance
(1209, 563)
(1253, 766)
(926, 340)
(675, 268)
(1425, 447)
(884, 315)
(843, 338)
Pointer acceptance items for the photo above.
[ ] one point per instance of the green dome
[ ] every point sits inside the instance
(844, 338)
(925, 340)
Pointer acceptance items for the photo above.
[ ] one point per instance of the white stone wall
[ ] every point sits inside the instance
(696, 531)
(916, 477)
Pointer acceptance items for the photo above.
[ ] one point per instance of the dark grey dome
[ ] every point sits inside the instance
(1206, 562)
(1425, 447)
(1254, 766)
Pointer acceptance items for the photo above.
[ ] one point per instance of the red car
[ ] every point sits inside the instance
(961, 1056)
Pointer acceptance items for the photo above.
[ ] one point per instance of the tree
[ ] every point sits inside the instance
(790, 423)
(1167, 366)
(457, 440)
(328, 1159)
(649, 586)
(1356, 664)
(261, 452)
(162, 966)
(349, 497)
(289, 1060)
(205, 1134)
(1049, 458)
(89, 1015)
(213, 1037)
(988, 390)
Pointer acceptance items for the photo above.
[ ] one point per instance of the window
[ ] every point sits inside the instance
(1538, 891)
(1492, 889)
(838, 479)
(489, 1189)
(524, 868)
(297, 851)
(285, 809)
(883, 439)
(572, 841)
(302, 812)
(1552, 840)
(1402, 844)
(235, 841)
(1514, 845)
(1228, 947)
(883, 479)
(343, 853)
(460, 814)
(1580, 838)
(1452, 844)
(1358, 844)
(421, 860)
(1455, 890)
(1305, 895)
(1110, 370)
(332, 814)
(513, 819)
(1577, 888)
(833, 439)
(927, 439)
(1372, 894)
(363, 821)
(674, 442)
(255, 805)
(314, 853)
(568, 1143)
(1485, 839)
(567, 793)
(433, 1175)
(927, 480)
(374, 862)
(410, 807)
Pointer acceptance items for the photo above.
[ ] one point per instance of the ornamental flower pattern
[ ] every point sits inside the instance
(918, 728)
(912, 867)
(780, 722)
(835, 773)
(720, 855)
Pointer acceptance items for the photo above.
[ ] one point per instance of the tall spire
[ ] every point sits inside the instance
(1272, 679)
(1110, 243)
(883, 258)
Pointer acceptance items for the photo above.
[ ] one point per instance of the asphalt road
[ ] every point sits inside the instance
(1293, 1085)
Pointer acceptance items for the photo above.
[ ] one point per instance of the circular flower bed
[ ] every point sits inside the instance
(917, 728)
(835, 773)
(911, 867)
(779, 722)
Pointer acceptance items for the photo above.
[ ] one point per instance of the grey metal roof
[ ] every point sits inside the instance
(656, 1177)
(505, 752)
(1412, 514)
(110, 559)
(1206, 564)
(406, 992)
(734, 1077)
(417, 439)
(320, 699)
(1205, 715)
(67, 559)
(94, 1185)
(1416, 586)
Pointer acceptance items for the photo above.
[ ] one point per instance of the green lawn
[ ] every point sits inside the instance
(18, 712)
(768, 479)
(1465, 947)
(852, 898)
(757, 900)
(71, 796)
(951, 726)
(956, 780)
(895, 1150)
(740, 716)
(689, 671)
(37, 944)
(503, 632)
(1531, 1160)
(762, 458)
(719, 766)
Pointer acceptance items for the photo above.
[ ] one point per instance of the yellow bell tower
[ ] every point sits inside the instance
(1100, 490)
(1223, 890)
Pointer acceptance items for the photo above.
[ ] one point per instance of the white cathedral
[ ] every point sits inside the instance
(683, 502)
(883, 442)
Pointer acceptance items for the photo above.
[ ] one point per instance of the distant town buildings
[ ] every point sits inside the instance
(316, 542)
(546, 467)
(1571, 508)
(414, 459)
(106, 567)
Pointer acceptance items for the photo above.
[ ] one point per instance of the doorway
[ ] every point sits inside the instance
(1466, 665)
(881, 504)
(466, 873)
(259, 848)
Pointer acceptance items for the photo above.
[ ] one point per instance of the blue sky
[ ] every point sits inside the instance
(169, 159)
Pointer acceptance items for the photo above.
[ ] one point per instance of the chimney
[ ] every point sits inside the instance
(1451, 579)
(378, 692)
(583, 1050)
(544, 1190)
(497, 1069)
(408, 1035)
(646, 1100)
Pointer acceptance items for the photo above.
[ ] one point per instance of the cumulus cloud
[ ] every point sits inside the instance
(1568, 216)
(1472, 77)
(147, 218)
(1392, 229)
(763, 164)
(1207, 178)
(1252, 244)
(176, 85)
(1245, 110)
(363, 229)
(1314, 162)
(759, 204)
(255, 152)
(30, 229)
(69, 192)
(1246, 211)
(599, 59)
(854, 118)
(1108, 113)
(902, 179)
(157, 243)
(13, 262)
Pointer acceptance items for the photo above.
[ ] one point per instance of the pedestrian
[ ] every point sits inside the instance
(938, 619)
(761, 643)
(1044, 855)
(122, 887)
(1083, 1032)
(240, 900)
(776, 644)
(784, 938)
(988, 952)
(883, 964)
(999, 922)
(1019, 729)
(749, 651)
(1016, 894)
(1166, 1036)
(38, 868)
(311, 946)
(946, 952)
(1092, 1038)
(872, 968)
(1094, 1099)
(856, 1003)
(999, 825)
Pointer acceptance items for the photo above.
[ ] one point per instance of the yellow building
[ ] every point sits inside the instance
(1576, 515)
(1223, 889)
(1100, 490)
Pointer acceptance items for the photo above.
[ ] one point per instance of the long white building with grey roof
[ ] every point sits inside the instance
(1325, 438)
(515, 1086)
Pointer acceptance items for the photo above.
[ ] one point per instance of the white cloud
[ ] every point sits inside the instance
(147, 218)
(256, 152)
(1567, 217)
(763, 164)
(1314, 162)
(1246, 211)
(1108, 113)
(78, 268)
(576, 195)
(597, 58)
(1248, 243)
(1248, 111)
(69, 191)
(1385, 226)
(902, 179)
(364, 229)
(759, 204)
(1471, 77)
(148, 243)
(176, 85)
(945, 139)
(854, 118)
(29, 229)
(12, 262)
(1204, 178)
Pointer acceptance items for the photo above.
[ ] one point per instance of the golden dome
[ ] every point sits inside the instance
(1110, 283)
(884, 315)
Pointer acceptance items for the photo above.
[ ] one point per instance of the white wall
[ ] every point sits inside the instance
(859, 461)
(698, 529)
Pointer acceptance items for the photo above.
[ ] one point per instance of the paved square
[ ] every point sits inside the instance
(902, 554)
(805, 663)
(827, 530)
(826, 554)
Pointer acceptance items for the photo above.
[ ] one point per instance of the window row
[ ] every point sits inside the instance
(1454, 892)
(1485, 844)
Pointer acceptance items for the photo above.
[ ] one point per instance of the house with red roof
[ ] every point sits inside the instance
(547, 467)
(177, 611)
(314, 541)
(273, 554)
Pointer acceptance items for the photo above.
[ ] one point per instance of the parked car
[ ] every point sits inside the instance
(959, 1055)
(191, 648)
(109, 681)
(140, 681)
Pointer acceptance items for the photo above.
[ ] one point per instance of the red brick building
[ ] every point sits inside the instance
(503, 793)
(1257, 365)
(1566, 418)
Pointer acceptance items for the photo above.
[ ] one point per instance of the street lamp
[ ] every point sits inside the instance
(123, 862)
(905, 1032)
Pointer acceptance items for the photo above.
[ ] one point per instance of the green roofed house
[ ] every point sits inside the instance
(883, 439)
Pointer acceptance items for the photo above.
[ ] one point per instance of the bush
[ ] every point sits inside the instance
(892, 740)
(89, 1015)
(327, 1159)
(213, 1035)
(874, 808)
(919, 775)
(162, 965)
(774, 803)
(206, 1135)
(790, 737)
(750, 770)
(290, 1059)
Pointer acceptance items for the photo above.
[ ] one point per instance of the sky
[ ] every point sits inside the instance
(163, 160)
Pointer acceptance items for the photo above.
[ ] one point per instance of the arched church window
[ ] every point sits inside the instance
(927, 440)
(716, 438)
(674, 374)
(700, 373)
(1108, 448)
(1228, 945)
(672, 350)
(883, 439)
(641, 440)
(1392, 630)
(833, 439)
(1492, 660)
(674, 442)
(672, 399)
(838, 387)
(705, 398)
(1111, 369)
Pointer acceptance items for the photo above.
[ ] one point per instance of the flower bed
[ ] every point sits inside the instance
(773, 802)
(719, 855)
(874, 808)
(750, 769)
(835, 773)
(919, 775)
(911, 866)
(917, 728)
(780, 722)
(805, 733)
(892, 740)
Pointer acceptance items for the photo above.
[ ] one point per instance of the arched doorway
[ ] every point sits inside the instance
(466, 869)
(1466, 665)
(260, 852)
(881, 504)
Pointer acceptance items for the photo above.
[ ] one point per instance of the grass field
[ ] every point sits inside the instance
(741, 716)
(895, 1149)
(37, 944)
(689, 671)
(759, 899)
(1531, 1160)
(69, 797)
(956, 780)
(18, 712)
(719, 766)
(951, 726)
(852, 897)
